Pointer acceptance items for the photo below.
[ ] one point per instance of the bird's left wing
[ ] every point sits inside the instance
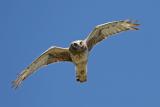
(102, 31)
(53, 54)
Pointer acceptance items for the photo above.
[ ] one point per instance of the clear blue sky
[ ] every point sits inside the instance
(123, 71)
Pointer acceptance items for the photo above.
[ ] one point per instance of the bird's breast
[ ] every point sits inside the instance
(79, 58)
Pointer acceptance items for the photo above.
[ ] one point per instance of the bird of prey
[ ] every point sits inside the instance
(78, 51)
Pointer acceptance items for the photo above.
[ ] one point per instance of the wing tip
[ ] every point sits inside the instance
(134, 28)
(14, 86)
(16, 83)
(133, 24)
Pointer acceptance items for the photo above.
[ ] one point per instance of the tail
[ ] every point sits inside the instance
(81, 72)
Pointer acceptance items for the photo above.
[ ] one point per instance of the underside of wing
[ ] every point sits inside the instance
(53, 54)
(102, 31)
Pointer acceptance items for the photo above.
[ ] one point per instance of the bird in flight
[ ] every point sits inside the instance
(78, 51)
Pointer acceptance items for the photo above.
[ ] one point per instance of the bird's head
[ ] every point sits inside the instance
(78, 46)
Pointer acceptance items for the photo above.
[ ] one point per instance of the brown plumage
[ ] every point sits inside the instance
(77, 52)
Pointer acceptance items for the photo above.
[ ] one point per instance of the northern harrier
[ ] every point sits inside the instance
(78, 50)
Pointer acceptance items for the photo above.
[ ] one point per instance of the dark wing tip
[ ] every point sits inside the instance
(133, 24)
(16, 83)
(134, 28)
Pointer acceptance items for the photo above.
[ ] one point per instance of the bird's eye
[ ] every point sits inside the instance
(75, 44)
(81, 43)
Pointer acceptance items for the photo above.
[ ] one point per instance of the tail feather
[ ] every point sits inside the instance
(81, 72)
(82, 76)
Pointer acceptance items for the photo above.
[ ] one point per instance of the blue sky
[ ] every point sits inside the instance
(123, 71)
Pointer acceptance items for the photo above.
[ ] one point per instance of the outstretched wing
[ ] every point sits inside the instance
(53, 54)
(103, 31)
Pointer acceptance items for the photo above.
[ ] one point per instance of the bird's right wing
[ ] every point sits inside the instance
(53, 54)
